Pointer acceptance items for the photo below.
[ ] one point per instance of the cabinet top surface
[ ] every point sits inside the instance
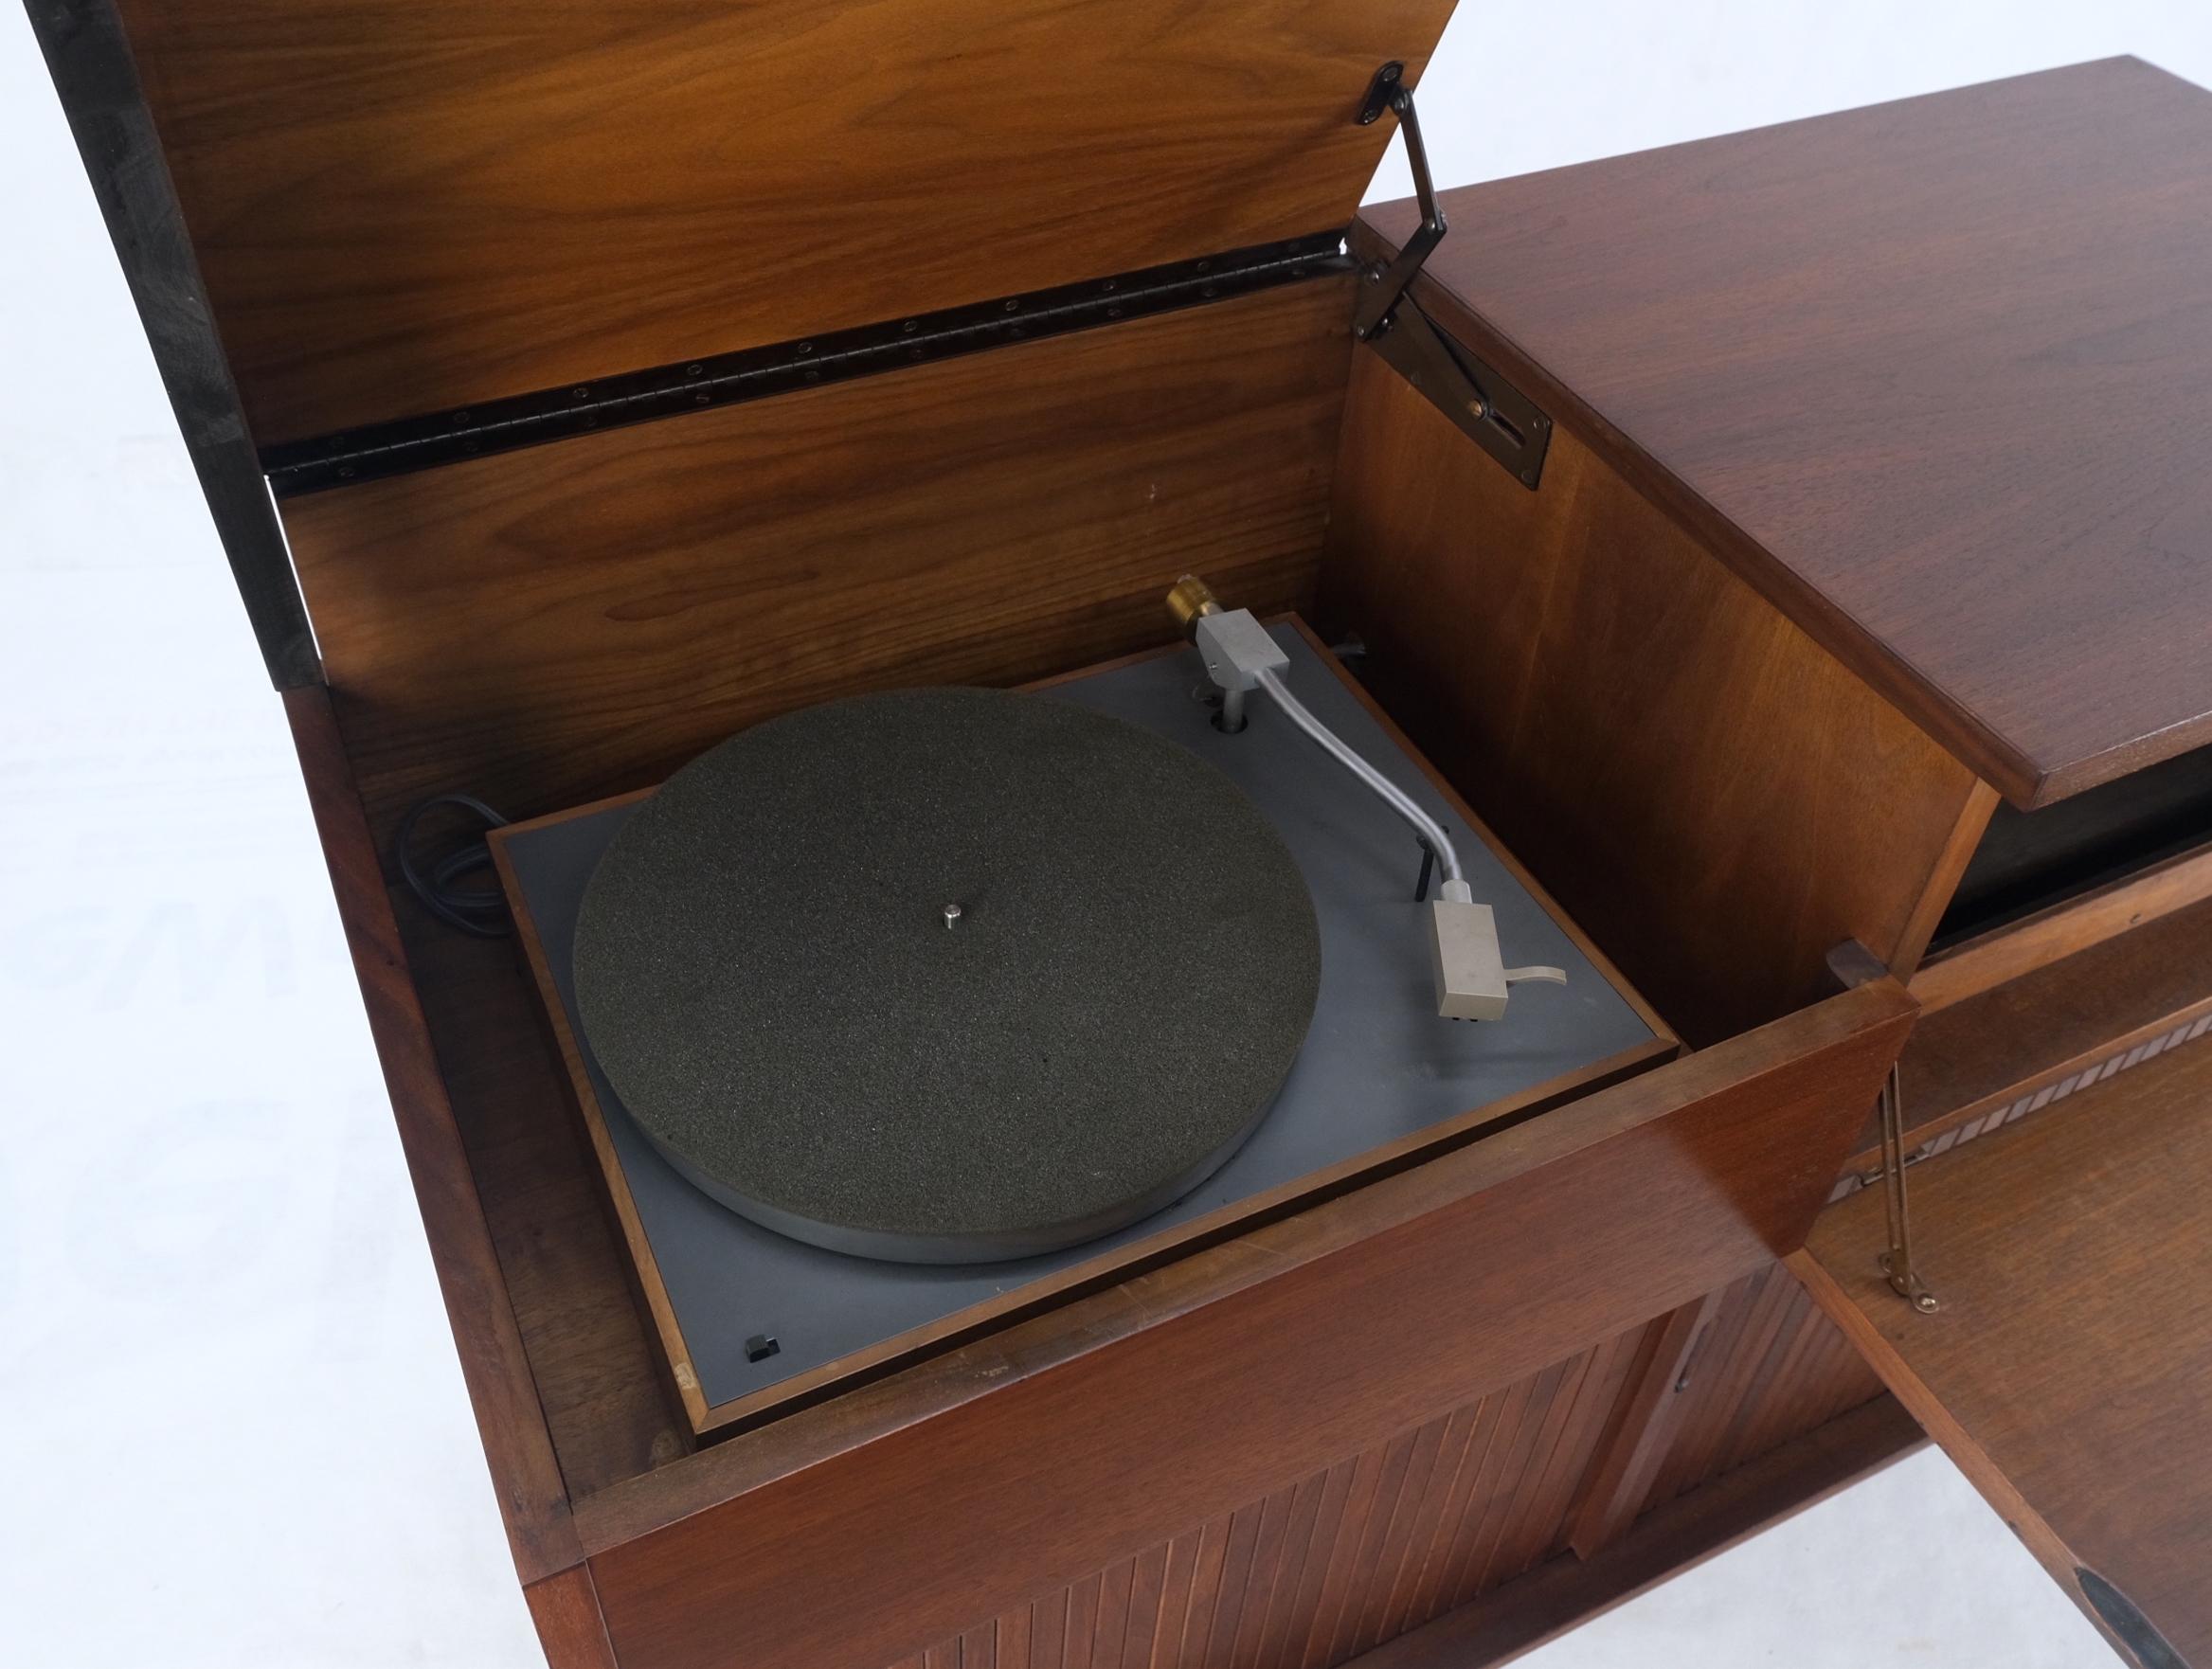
(1934, 374)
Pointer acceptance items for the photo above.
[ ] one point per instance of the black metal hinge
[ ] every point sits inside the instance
(729, 379)
(1476, 396)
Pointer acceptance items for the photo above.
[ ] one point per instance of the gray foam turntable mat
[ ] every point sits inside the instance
(769, 976)
(1377, 1063)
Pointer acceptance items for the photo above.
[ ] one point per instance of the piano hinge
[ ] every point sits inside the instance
(1476, 396)
(711, 380)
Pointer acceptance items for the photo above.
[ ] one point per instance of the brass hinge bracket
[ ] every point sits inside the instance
(1854, 966)
(1476, 396)
(1896, 1263)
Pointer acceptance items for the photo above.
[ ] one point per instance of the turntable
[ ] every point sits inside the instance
(893, 1014)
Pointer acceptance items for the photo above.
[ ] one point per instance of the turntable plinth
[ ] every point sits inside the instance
(1376, 1078)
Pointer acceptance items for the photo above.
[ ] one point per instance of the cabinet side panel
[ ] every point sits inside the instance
(532, 1493)
(551, 625)
(1711, 794)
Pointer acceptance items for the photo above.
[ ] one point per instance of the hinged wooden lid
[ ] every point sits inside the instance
(402, 209)
(1932, 375)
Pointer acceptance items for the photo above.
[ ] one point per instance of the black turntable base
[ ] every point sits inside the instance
(947, 975)
(748, 1308)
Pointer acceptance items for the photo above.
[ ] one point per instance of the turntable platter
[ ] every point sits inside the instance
(947, 975)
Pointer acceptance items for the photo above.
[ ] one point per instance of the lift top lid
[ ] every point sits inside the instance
(400, 208)
(1937, 376)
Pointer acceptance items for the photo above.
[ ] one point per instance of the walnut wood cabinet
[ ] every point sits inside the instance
(625, 377)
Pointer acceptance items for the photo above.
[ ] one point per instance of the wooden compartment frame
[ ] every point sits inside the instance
(1681, 1173)
(1691, 1176)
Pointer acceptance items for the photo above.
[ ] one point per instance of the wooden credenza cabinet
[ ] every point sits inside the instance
(1836, 662)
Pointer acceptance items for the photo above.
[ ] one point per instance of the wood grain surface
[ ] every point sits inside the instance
(1930, 374)
(1743, 1370)
(1989, 959)
(1650, 1417)
(564, 1607)
(1715, 797)
(2069, 1370)
(1053, 1448)
(1770, 1368)
(1462, 1527)
(1566, 1591)
(1333, 1564)
(403, 208)
(586, 1338)
(554, 625)
(534, 1499)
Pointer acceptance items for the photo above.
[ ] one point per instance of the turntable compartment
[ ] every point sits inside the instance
(1533, 1270)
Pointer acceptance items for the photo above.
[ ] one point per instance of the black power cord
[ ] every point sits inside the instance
(480, 911)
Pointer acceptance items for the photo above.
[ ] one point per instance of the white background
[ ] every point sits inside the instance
(232, 1431)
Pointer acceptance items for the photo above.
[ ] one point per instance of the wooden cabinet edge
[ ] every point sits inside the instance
(680, 1382)
(2004, 954)
(526, 1475)
(1973, 821)
(565, 1608)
